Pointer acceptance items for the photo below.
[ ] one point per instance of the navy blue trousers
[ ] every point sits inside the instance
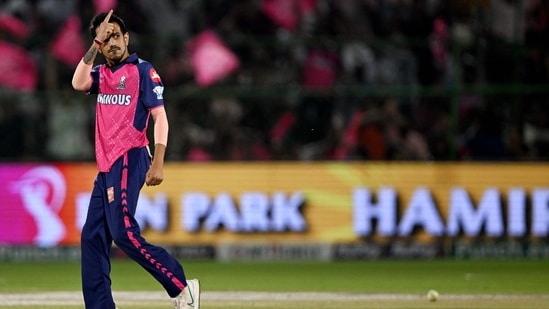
(111, 219)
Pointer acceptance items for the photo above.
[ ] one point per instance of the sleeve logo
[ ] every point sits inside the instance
(154, 76)
(158, 90)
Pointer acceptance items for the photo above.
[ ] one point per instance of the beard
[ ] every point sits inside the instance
(117, 54)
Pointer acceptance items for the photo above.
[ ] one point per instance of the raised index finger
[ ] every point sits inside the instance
(108, 17)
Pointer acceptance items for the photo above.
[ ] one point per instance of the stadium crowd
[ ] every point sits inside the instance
(316, 79)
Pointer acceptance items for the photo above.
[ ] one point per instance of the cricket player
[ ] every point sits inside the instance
(129, 91)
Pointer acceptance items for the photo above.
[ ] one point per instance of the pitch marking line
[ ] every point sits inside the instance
(71, 298)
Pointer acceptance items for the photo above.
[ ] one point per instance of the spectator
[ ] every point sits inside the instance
(301, 79)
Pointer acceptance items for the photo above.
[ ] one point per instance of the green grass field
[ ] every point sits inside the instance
(357, 284)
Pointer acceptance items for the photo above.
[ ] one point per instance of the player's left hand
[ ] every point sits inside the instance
(155, 176)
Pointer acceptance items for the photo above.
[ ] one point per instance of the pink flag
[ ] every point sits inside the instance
(283, 124)
(350, 137)
(319, 69)
(104, 5)
(288, 13)
(68, 46)
(14, 25)
(211, 60)
(307, 6)
(282, 12)
(17, 67)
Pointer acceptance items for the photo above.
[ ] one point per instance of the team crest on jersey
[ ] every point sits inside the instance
(110, 194)
(122, 83)
(154, 76)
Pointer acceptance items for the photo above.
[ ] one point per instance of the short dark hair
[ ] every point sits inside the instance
(99, 18)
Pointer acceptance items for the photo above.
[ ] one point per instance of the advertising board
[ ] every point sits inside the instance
(219, 203)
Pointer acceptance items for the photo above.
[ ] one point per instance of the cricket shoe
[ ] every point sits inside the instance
(189, 298)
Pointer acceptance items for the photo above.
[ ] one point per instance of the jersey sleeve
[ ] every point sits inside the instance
(94, 89)
(152, 88)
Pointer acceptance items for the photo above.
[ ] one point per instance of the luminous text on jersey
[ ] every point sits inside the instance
(114, 99)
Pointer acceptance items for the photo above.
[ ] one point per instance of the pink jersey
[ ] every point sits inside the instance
(125, 95)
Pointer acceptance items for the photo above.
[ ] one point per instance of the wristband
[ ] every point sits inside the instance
(98, 41)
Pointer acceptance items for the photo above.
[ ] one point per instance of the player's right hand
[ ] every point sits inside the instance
(105, 29)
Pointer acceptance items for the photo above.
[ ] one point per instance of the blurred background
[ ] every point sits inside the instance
(298, 80)
(423, 124)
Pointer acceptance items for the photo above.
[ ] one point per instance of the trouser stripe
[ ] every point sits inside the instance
(127, 224)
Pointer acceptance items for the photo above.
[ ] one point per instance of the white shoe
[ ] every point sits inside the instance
(189, 298)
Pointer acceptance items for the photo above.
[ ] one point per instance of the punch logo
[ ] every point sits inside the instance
(154, 76)
(42, 191)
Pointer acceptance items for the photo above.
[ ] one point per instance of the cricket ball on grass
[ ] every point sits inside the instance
(432, 295)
